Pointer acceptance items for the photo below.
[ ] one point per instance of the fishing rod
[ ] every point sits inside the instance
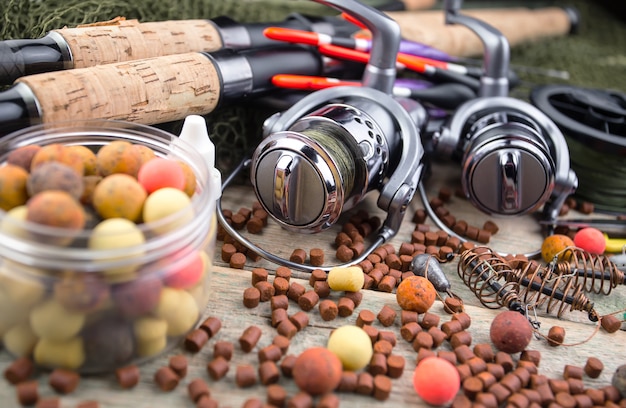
(126, 40)
(153, 90)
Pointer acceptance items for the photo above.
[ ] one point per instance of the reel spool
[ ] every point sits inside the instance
(593, 122)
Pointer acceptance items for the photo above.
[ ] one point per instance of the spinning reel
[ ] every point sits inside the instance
(322, 156)
(514, 158)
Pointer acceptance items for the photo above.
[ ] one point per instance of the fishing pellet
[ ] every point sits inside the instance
(438, 335)
(249, 338)
(279, 302)
(19, 370)
(322, 288)
(422, 340)
(460, 338)
(365, 383)
(386, 316)
(429, 320)
(245, 376)
(266, 290)
(572, 371)
(287, 364)
(447, 355)
(328, 310)
(484, 351)
(383, 347)
(593, 367)
(471, 386)
(270, 352)
(276, 395)
(287, 328)
(50, 402)
(534, 356)
(300, 400)
(269, 372)
(316, 257)
(345, 306)
(278, 315)
(198, 388)
(166, 379)
(237, 260)
(207, 402)
(128, 376)
(382, 387)
(281, 285)
(63, 381)
(223, 349)
(179, 364)
(300, 319)
(377, 364)
(258, 275)
(464, 353)
(295, 291)
(556, 335)
(195, 340)
(217, 368)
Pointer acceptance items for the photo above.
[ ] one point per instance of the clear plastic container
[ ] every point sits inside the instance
(68, 305)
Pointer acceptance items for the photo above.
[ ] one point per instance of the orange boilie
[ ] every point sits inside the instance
(416, 294)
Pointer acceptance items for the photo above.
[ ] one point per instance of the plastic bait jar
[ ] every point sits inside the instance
(67, 303)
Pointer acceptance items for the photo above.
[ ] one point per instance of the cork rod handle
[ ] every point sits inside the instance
(518, 25)
(148, 91)
(126, 40)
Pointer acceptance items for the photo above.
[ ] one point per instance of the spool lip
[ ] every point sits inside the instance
(551, 98)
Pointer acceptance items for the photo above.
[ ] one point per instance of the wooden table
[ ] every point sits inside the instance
(516, 235)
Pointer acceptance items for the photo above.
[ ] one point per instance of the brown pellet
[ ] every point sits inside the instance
(228, 250)
(576, 385)
(518, 400)
(409, 330)
(451, 327)
(206, 402)
(372, 332)
(386, 316)
(281, 286)
(278, 315)
(438, 335)
(477, 365)
(211, 325)
(88, 404)
(528, 366)
(429, 320)
(316, 257)
(534, 356)
(349, 381)
(387, 284)
(195, 340)
(365, 317)
(505, 360)
(344, 253)
(356, 297)
(279, 302)
(556, 335)
(218, 367)
(383, 347)
(377, 364)
(128, 376)
(308, 300)
(300, 319)
(328, 310)
(286, 365)
(464, 353)
(276, 395)
(281, 342)
(382, 387)
(166, 379)
(255, 225)
(259, 275)
(322, 288)
(593, 367)
(611, 393)
(316, 275)
(27, 392)
(448, 356)
(251, 297)
(610, 323)
(565, 399)
(583, 401)
(500, 392)
(487, 400)
(460, 338)
(329, 400)
(298, 256)
(249, 338)
(496, 370)
(464, 371)
(179, 364)
(197, 388)
(365, 383)
(472, 386)
(523, 375)
(346, 306)
(286, 328)
(50, 402)
(300, 400)
(572, 371)
(245, 376)
(237, 260)
(266, 290)
(268, 372)
(422, 340)
(19, 370)
(484, 351)
(487, 378)
(63, 381)
(223, 349)
(558, 385)
(532, 395)
(483, 236)
(270, 353)
(388, 336)
(463, 318)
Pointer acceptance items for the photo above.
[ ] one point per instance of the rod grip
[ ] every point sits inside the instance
(126, 40)
(519, 25)
(148, 91)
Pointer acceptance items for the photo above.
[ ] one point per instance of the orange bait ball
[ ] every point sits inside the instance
(159, 173)
(436, 381)
(591, 240)
(416, 294)
(317, 371)
(555, 245)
